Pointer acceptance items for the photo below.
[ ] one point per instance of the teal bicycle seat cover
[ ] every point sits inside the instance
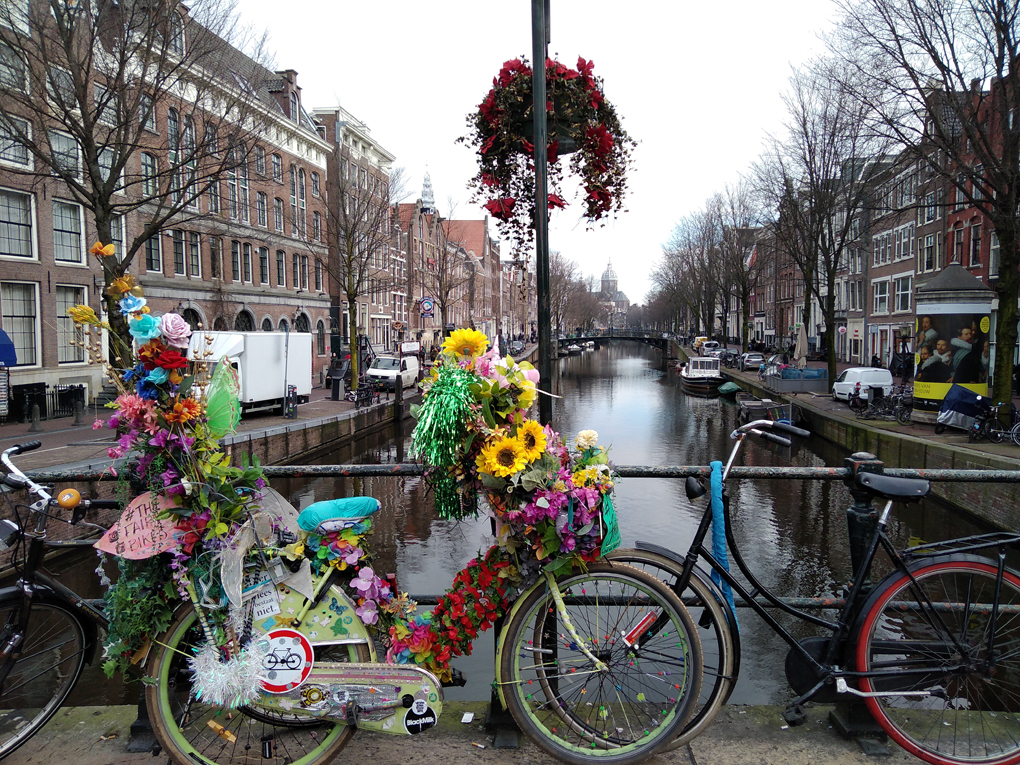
(334, 514)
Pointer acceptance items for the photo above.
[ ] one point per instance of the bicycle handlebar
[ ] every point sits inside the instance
(781, 440)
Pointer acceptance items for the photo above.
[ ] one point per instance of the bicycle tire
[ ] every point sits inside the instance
(992, 430)
(903, 415)
(45, 670)
(181, 724)
(720, 645)
(935, 620)
(1014, 433)
(605, 603)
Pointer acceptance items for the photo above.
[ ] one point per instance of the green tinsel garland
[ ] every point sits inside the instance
(441, 432)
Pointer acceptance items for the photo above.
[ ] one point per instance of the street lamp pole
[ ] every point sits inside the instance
(539, 45)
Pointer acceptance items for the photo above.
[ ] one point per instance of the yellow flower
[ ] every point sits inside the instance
(82, 314)
(102, 252)
(532, 436)
(466, 342)
(527, 395)
(502, 458)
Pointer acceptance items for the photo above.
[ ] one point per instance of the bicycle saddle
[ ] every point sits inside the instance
(891, 487)
(336, 514)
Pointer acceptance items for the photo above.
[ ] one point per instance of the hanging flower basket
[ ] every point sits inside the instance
(582, 123)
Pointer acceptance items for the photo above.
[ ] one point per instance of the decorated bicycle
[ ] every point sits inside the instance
(264, 630)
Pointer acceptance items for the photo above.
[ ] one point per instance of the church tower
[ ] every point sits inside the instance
(609, 287)
(428, 201)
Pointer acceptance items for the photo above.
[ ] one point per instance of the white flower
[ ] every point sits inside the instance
(586, 439)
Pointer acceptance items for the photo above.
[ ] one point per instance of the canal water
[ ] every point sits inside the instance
(792, 533)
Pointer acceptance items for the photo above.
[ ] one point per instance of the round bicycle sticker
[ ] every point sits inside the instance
(419, 717)
(288, 662)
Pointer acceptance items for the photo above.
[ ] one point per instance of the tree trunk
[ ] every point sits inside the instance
(352, 324)
(1007, 289)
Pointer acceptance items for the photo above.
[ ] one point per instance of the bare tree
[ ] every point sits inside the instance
(80, 89)
(736, 217)
(445, 272)
(584, 309)
(359, 233)
(817, 179)
(563, 276)
(689, 272)
(941, 78)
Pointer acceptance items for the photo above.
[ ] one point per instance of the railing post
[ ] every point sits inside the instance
(852, 718)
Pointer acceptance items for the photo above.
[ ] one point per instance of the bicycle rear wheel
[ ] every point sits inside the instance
(637, 704)
(191, 731)
(933, 631)
(42, 674)
(720, 647)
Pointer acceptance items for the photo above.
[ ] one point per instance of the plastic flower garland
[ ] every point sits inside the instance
(581, 120)
(553, 508)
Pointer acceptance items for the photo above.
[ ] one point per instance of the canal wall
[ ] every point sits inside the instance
(997, 504)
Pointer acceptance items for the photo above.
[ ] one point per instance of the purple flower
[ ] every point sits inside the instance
(175, 329)
(352, 555)
(368, 611)
(366, 583)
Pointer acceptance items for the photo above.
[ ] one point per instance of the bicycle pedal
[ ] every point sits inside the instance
(795, 715)
(457, 679)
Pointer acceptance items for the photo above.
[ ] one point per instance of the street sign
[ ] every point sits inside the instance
(842, 330)
(410, 347)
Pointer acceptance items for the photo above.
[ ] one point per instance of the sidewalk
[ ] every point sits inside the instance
(738, 736)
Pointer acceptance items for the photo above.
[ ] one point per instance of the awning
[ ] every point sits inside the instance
(8, 356)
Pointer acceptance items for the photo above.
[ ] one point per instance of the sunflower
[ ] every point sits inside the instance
(468, 343)
(532, 437)
(502, 458)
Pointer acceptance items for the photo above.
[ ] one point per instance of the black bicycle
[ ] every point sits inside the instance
(933, 648)
(49, 632)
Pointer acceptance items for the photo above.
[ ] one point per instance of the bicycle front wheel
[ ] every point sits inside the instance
(903, 414)
(720, 647)
(932, 632)
(631, 706)
(42, 673)
(191, 731)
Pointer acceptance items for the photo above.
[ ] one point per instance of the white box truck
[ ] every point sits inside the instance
(266, 363)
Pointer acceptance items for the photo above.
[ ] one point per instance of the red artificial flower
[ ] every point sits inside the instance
(529, 147)
(150, 352)
(489, 180)
(601, 139)
(171, 359)
(488, 144)
(552, 152)
(501, 209)
(511, 69)
(556, 202)
(596, 98)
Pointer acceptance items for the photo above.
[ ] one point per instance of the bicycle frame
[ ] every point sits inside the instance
(826, 669)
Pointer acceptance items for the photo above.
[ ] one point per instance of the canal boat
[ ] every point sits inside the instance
(700, 376)
(590, 345)
(574, 350)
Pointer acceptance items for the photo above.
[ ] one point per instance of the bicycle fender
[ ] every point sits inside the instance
(44, 594)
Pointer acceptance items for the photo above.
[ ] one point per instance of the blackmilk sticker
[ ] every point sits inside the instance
(419, 717)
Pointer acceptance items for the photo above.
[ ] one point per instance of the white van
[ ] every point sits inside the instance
(385, 370)
(866, 376)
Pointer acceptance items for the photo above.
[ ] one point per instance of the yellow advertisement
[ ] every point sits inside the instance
(949, 348)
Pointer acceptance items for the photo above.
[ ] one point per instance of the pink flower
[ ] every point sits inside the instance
(176, 331)
(98, 424)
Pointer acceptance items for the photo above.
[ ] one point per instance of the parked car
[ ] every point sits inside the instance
(516, 347)
(707, 347)
(866, 376)
(750, 361)
(386, 370)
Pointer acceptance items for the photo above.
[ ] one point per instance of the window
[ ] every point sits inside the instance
(194, 255)
(67, 241)
(173, 129)
(19, 319)
(301, 202)
(242, 190)
(247, 262)
(70, 336)
(958, 245)
(15, 15)
(281, 269)
(315, 184)
(13, 73)
(214, 195)
(267, 324)
(64, 153)
(235, 261)
(261, 206)
(60, 88)
(294, 229)
(278, 168)
(880, 292)
(212, 139)
(215, 257)
(263, 265)
(320, 338)
(13, 150)
(295, 111)
(153, 259)
(318, 275)
(975, 244)
(296, 273)
(146, 112)
(901, 299)
(316, 226)
(150, 183)
(993, 254)
(278, 214)
(117, 235)
(176, 37)
(928, 253)
(260, 160)
(107, 104)
(304, 272)
(178, 237)
(977, 186)
(232, 192)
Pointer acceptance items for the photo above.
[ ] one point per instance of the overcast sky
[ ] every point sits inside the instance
(696, 84)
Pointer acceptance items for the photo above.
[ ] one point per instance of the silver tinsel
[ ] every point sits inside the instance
(232, 683)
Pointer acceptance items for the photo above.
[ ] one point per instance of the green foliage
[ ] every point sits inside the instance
(139, 604)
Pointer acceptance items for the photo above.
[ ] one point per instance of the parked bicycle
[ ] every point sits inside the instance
(988, 425)
(49, 632)
(931, 648)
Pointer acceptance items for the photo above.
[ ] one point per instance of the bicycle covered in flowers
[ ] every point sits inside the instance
(266, 633)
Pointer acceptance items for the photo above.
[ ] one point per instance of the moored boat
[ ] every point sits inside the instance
(700, 376)
(574, 350)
